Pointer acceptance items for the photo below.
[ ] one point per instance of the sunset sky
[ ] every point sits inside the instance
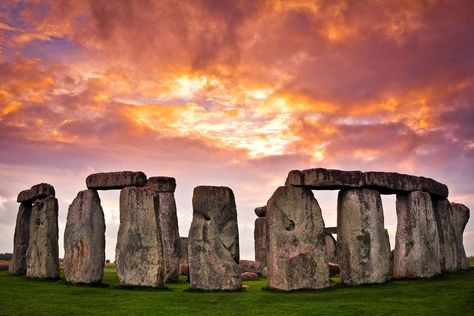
(233, 93)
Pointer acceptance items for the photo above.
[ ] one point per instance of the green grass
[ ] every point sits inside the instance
(471, 261)
(450, 294)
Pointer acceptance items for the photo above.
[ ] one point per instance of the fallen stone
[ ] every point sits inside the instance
(261, 240)
(261, 211)
(115, 180)
(417, 241)
(297, 249)
(447, 236)
(162, 184)
(42, 256)
(36, 192)
(384, 182)
(20, 240)
(164, 187)
(331, 248)
(250, 266)
(139, 252)
(460, 219)
(214, 240)
(334, 269)
(84, 239)
(249, 276)
(362, 247)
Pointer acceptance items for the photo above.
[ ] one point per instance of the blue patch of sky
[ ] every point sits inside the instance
(56, 48)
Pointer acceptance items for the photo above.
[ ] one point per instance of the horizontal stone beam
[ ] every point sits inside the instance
(261, 211)
(162, 184)
(115, 180)
(36, 192)
(384, 182)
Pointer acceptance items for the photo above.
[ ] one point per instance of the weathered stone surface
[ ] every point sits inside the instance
(184, 250)
(84, 239)
(265, 272)
(331, 248)
(334, 269)
(251, 266)
(447, 236)
(249, 276)
(330, 230)
(36, 192)
(260, 235)
(162, 184)
(42, 255)
(115, 180)
(363, 252)
(384, 182)
(214, 240)
(297, 249)
(460, 219)
(416, 242)
(139, 252)
(261, 211)
(20, 240)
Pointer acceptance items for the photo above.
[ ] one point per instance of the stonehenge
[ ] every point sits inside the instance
(213, 240)
(293, 248)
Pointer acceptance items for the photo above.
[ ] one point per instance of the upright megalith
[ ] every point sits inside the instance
(331, 248)
(165, 187)
(42, 255)
(184, 259)
(297, 249)
(115, 180)
(447, 237)
(417, 252)
(214, 240)
(20, 240)
(84, 239)
(362, 247)
(139, 251)
(460, 219)
(260, 235)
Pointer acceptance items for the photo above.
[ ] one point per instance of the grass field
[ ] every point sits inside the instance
(450, 294)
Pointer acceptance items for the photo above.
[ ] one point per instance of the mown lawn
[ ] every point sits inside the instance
(450, 294)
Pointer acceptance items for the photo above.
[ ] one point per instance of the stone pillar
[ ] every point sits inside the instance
(363, 251)
(84, 239)
(139, 251)
(417, 242)
(447, 236)
(184, 261)
(165, 187)
(20, 241)
(214, 240)
(460, 219)
(261, 240)
(331, 248)
(42, 256)
(297, 249)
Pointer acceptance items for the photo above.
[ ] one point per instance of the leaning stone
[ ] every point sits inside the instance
(214, 240)
(36, 192)
(115, 180)
(261, 211)
(297, 249)
(162, 184)
(250, 266)
(416, 242)
(139, 251)
(363, 255)
(84, 239)
(20, 241)
(42, 255)
(447, 236)
(249, 276)
(164, 187)
(261, 240)
(331, 248)
(460, 219)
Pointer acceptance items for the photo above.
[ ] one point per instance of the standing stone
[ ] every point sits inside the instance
(165, 187)
(363, 252)
(460, 219)
(214, 240)
(42, 256)
(183, 260)
(20, 241)
(331, 248)
(139, 251)
(297, 249)
(84, 239)
(261, 240)
(447, 235)
(416, 241)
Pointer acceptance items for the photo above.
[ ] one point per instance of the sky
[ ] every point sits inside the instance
(233, 93)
